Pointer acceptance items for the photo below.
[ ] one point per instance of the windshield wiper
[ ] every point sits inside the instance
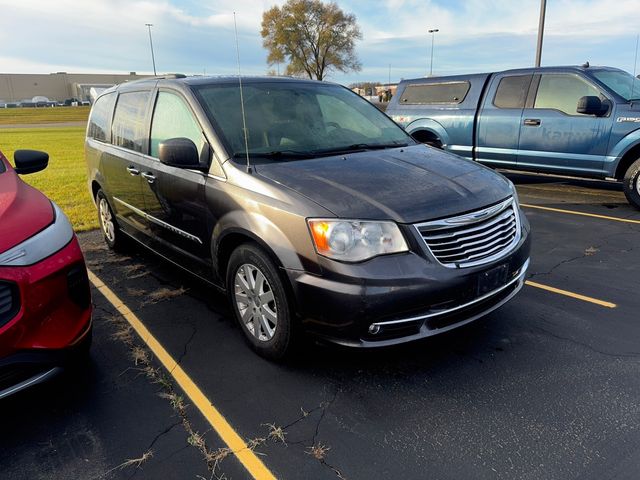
(359, 147)
(276, 155)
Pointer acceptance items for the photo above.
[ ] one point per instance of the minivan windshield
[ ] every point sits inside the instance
(623, 83)
(289, 120)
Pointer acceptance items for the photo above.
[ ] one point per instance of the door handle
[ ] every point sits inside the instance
(532, 122)
(133, 170)
(149, 177)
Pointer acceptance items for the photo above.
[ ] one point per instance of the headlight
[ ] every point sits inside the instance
(355, 240)
(42, 244)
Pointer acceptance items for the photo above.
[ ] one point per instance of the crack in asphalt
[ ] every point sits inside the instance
(563, 262)
(589, 347)
(194, 330)
(154, 441)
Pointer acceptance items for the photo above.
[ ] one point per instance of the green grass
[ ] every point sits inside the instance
(29, 116)
(65, 179)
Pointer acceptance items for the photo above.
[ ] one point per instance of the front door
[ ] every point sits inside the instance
(554, 137)
(175, 197)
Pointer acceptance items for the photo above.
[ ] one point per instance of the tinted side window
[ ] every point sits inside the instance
(100, 119)
(562, 92)
(129, 121)
(173, 119)
(432, 93)
(512, 92)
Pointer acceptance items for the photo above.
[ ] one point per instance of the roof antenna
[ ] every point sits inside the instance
(244, 118)
(635, 65)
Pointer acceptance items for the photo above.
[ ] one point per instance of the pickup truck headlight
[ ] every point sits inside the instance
(42, 245)
(355, 240)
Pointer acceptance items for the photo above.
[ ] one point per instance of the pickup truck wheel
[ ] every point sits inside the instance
(113, 237)
(259, 301)
(631, 184)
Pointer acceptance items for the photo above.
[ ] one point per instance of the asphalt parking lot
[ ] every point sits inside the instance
(547, 387)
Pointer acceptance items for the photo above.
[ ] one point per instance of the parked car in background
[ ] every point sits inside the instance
(326, 216)
(45, 302)
(582, 121)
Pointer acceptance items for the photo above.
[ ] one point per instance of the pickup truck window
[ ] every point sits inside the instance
(623, 83)
(562, 92)
(512, 91)
(435, 93)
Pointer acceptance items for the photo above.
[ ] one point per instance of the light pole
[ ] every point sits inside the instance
(543, 9)
(153, 58)
(433, 35)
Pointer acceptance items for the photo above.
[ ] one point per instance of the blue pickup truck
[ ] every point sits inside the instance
(579, 120)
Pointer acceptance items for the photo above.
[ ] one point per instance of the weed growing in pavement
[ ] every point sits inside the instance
(163, 293)
(276, 433)
(318, 451)
(135, 292)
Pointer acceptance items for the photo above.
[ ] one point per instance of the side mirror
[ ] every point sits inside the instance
(179, 152)
(30, 161)
(592, 105)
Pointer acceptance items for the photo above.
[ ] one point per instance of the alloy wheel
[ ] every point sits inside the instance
(106, 219)
(255, 302)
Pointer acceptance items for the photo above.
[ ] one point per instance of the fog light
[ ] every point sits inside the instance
(374, 329)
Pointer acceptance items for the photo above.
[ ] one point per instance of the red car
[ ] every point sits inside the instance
(45, 300)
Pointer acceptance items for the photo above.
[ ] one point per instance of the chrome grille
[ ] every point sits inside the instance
(474, 238)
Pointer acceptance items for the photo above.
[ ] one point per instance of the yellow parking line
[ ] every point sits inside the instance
(584, 298)
(572, 212)
(247, 457)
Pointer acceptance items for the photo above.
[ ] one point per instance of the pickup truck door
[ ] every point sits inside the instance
(499, 119)
(553, 136)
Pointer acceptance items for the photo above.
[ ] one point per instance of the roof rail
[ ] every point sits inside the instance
(169, 76)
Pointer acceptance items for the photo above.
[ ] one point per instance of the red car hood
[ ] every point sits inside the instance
(24, 211)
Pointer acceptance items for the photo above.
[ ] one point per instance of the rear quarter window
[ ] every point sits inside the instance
(100, 119)
(129, 121)
(435, 93)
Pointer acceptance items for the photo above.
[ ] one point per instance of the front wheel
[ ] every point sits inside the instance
(259, 301)
(631, 184)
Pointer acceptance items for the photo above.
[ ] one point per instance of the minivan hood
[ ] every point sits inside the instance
(407, 185)
(24, 211)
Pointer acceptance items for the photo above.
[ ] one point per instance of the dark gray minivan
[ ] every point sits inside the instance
(307, 205)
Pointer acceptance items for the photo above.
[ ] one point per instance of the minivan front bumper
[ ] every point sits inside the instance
(399, 298)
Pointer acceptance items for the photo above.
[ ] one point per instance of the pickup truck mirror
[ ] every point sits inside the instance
(179, 152)
(592, 105)
(30, 161)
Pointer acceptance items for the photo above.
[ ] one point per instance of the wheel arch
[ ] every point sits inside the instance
(428, 129)
(630, 156)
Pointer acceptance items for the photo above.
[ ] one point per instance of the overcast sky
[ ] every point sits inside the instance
(196, 36)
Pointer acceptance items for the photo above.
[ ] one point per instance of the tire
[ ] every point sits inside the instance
(260, 302)
(631, 184)
(113, 237)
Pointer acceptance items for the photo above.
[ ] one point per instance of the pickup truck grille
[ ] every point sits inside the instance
(475, 238)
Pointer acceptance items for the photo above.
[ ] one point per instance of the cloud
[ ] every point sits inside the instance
(193, 36)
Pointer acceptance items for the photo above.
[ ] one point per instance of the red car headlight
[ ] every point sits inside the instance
(42, 245)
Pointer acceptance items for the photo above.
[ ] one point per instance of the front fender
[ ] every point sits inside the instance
(262, 230)
(619, 150)
(430, 125)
